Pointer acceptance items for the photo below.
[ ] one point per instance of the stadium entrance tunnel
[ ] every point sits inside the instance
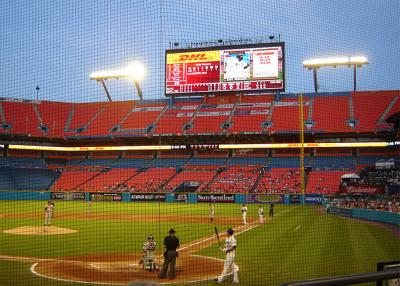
(119, 269)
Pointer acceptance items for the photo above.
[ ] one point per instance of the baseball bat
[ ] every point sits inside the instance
(216, 232)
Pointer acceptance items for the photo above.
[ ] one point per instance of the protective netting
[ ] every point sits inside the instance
(268, 169)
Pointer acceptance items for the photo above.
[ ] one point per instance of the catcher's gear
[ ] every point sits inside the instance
(229, 231)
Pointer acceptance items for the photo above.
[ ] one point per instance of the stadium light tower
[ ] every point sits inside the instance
(315, 64)
(134, 72)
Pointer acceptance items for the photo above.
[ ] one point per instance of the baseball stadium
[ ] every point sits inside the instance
(199, 142)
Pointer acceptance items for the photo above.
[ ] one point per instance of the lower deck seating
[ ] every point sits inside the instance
(324, 182)
(280, 180)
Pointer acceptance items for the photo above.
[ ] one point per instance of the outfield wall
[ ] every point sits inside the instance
(371, 215)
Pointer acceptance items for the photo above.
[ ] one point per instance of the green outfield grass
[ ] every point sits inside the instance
(299, 243)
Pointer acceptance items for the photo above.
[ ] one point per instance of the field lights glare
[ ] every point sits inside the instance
(356, 60)
(134, 71)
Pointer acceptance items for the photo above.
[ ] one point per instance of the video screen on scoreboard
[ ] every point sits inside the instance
(258, 67)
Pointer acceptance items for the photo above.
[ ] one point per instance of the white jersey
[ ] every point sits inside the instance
(48, 209)
(260, 211)
(229, 243)
(244, 209)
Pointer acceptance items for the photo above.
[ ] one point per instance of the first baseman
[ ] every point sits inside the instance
(244, 213)
(211, 212)
(261, 213)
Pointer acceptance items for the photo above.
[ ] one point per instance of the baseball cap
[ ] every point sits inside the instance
(171, 231)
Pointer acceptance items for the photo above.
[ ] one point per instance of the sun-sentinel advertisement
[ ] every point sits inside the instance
(233, 68)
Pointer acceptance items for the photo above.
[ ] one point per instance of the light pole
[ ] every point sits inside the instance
(315, 64)
(37, 92)
(134, 72)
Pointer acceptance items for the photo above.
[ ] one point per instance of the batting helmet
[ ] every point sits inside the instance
(229, 231)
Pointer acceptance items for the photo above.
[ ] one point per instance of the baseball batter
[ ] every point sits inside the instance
(244, 213)
(48, 213)
(229, 264)
(149, 248)
(261, 214)
(211, 212)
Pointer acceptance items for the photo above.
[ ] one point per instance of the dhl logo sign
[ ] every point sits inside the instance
(193, 57)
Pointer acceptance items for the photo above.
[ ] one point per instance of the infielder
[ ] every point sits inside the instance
(211, 212)
(261, 214)
(229, 264)
(148, 258)
(244, 213)
(48, 213)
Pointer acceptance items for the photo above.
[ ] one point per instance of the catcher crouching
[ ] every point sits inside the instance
(148, 259)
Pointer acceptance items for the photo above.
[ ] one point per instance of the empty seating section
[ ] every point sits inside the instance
(54, 116)
(151, 180)
(22, 119)
(81, 114)
(330, 114)
(324, 182)
(234, 179)
(19, 162)
(209, 119)
(106, 120)
(285, 162)
(70, 180)
(285, 117)
(250, 160)
(167, 162)
(369, 107)
(280, 181)
(131, 163)
(26, 179)
(202, 161)
(141, 117)
(203, 177)
(174, 119)
(108, 181)
(333, 163)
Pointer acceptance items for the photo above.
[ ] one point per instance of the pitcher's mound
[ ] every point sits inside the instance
(39, 230)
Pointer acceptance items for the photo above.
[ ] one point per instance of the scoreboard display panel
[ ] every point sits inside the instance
(258, 67)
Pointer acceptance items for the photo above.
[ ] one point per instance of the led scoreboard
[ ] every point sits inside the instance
(258, 67)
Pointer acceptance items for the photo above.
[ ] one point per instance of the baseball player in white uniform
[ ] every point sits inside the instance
(148, 258)
(229, 264)
(48, 213)
(244, 213)
(261, 214)
(211, 212)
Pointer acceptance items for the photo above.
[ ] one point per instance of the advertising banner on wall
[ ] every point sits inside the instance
(181, 198)
(68, 196)
(105, 197)
(215, 198)
(313, 199)
(294, 199)
(371, 190)
(263, 198)
(148, 197)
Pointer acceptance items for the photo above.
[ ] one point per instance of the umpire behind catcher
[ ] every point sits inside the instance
(171, 243)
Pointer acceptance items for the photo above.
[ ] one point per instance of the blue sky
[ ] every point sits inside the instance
(56, 44)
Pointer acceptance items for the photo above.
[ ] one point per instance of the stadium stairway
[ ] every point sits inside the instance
(388, 109)
(189, 124)
(257, 182)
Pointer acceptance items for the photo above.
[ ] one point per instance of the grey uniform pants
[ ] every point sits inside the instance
(169, 260)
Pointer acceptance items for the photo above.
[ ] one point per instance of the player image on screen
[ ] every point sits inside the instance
(236, 66)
